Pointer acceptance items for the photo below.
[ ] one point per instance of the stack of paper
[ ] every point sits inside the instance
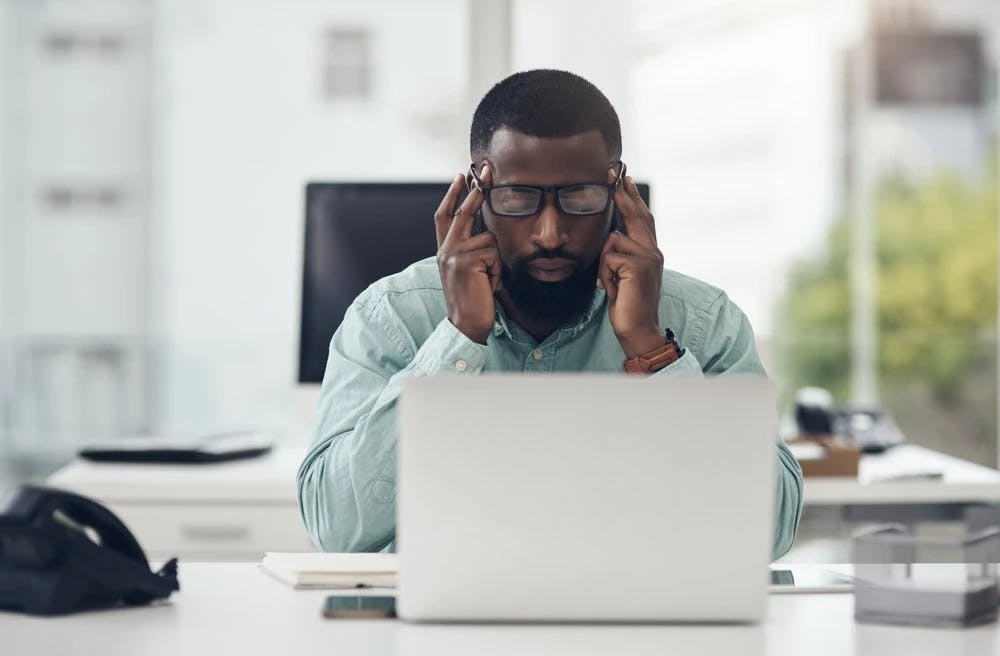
(333, 570)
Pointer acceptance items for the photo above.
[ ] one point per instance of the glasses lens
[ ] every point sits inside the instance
(515, 201)
(584, 199)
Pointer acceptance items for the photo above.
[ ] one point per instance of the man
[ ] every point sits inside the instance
(532, 274)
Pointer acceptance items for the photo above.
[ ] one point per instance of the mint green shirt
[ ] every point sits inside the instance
(398, 327)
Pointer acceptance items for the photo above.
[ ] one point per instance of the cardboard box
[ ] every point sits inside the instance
(838, 458)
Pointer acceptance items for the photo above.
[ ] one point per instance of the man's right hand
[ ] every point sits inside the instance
(470, 266)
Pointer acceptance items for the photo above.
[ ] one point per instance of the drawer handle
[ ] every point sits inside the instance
(215, 533)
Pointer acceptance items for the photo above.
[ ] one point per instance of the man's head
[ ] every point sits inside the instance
(547, 128)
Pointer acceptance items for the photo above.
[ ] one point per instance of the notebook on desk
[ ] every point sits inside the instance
(304, 571)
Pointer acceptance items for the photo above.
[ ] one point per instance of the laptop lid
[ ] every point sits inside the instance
(585, 497)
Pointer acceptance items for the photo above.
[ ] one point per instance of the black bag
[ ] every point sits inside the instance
(62, 553)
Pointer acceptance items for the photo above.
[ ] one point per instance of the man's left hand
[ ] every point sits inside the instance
(631, 273)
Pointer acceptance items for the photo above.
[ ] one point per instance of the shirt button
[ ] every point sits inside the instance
(537, 354)
(460, 365)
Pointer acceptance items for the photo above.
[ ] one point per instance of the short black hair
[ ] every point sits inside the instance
(544, 103)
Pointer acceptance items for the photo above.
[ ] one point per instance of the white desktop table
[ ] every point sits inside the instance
(239, 510)
(227, 608)
(962, 481)
(889, 488)
(223, 512)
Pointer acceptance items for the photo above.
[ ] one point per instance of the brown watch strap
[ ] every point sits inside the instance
(655, 360)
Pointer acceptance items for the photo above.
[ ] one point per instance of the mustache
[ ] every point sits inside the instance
(549, 254)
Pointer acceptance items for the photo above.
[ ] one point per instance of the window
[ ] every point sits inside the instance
(347, 64)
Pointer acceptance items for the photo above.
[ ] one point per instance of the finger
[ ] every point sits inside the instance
(461, 225)
(633, 192)
(495, 271)
(618, 266)
(484, 260)
(607, 277)
(442, 217)
(489, 254)
(637, 228)
(623, 243)
(619, 263)
(625, 202)
(482, 240)
(486, 174)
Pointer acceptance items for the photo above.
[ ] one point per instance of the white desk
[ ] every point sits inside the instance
(227, 511)
(963, 481)
(238, 510)
(226, 608)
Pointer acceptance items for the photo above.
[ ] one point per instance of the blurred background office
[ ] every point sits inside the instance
(831, 164)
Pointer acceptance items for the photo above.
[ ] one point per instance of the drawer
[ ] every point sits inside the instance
(214, 532)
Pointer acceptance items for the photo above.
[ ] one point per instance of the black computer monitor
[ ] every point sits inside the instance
(355, 234)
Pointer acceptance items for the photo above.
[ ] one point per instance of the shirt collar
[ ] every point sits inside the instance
(501, 323)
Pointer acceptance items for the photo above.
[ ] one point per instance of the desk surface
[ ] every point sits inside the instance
(962, 481)
(227, 608)
(271, 480)
(265, 479)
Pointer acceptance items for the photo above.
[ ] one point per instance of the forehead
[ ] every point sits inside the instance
(518, 157)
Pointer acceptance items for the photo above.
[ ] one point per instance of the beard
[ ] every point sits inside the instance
(559, 302)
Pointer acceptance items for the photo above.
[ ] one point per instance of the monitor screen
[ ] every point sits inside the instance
(356, 233)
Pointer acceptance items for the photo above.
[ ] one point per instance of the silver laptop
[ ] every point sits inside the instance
(585, 497)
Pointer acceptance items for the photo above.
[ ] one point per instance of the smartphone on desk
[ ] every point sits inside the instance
(358, 607)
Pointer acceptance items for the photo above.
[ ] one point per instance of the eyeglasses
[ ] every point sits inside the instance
(526, 200)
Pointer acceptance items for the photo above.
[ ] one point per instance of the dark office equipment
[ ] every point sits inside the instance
(929, 68)
(355, 234)
(814, 411)
(62, 553)
(872, 430)
(204, 449)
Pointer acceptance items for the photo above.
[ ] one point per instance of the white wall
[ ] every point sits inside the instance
(737, 105)
(240, 127)
(591, 39)
(73, 276)
(81, 124)
(6, 375)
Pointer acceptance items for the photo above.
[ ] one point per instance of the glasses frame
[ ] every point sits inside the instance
(554, 190)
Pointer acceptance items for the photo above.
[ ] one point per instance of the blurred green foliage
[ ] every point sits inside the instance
(937, 291)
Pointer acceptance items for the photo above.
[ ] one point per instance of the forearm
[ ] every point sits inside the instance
(347, 484)
(345, 496)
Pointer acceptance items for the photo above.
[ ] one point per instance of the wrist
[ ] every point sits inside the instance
(657, 358)
(476, 335)
(642, 342)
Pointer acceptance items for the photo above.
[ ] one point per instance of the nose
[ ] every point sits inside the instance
(550, 226)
